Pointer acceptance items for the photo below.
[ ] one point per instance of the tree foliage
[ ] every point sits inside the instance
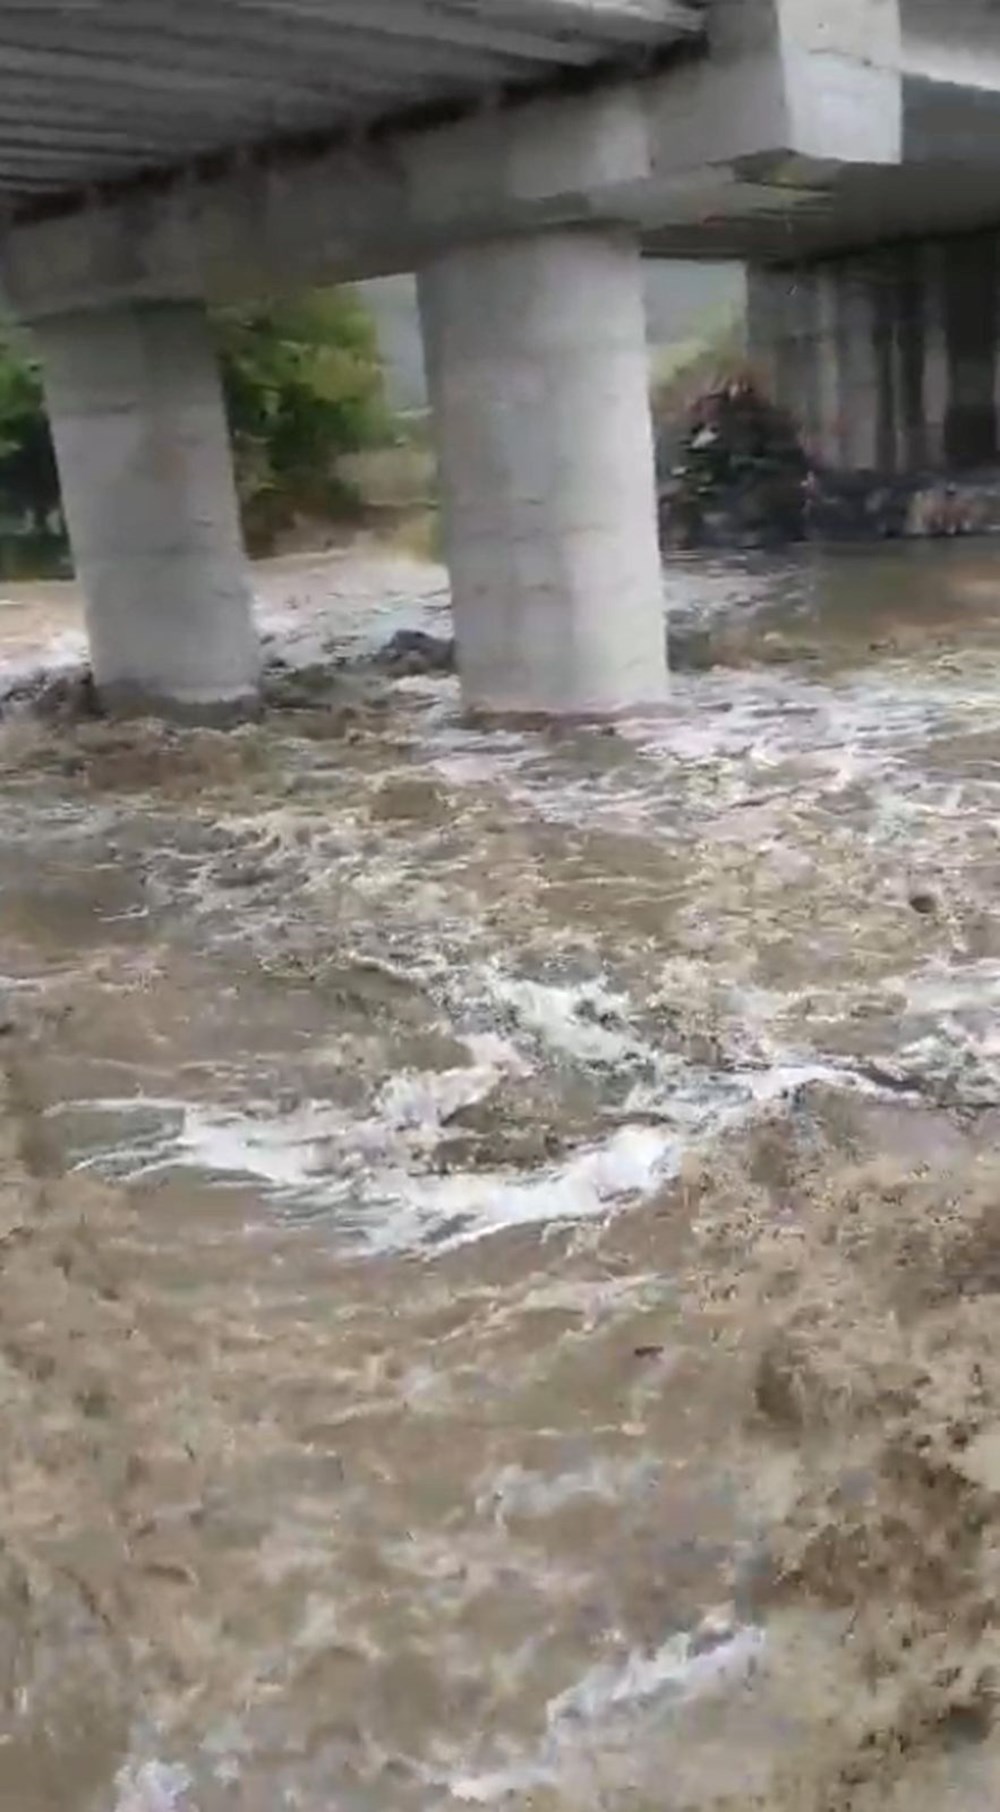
(302, 382)
(29, 483)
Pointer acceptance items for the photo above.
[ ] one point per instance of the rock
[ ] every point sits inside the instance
(877, 506)
(689, 649)
(716, 1629)
(856, 506)
(409, 798)
(242, 874)
(924, 903)
(737, 475)
(300, 688)
(778, 1385)
(946, 509)
(413, 651)
(62, 697)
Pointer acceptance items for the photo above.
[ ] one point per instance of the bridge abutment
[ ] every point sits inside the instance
(142, 446)
(537, 362)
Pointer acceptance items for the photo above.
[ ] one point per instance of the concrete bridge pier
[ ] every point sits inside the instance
(143, 452)
(538, 372)
(888, 358)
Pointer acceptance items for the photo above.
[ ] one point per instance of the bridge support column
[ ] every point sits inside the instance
(144, 462)
(889, 360)
(538, 369)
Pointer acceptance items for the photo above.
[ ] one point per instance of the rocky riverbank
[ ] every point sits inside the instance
(738, 476)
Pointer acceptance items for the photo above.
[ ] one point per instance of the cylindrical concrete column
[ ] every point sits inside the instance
(538, 370)
(143, 452)
(858, 366)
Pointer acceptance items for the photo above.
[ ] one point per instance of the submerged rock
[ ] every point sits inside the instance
(299, 688)
(690, 648)
(65, 697)
(413, 651)
(409, 797)
(923, 903)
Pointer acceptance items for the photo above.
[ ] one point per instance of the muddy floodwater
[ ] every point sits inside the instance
(500, 1230)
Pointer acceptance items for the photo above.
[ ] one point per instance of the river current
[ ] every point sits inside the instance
(500, 1229)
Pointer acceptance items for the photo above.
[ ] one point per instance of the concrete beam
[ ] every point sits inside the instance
(634, 151)
(843, 72)
(834, 63)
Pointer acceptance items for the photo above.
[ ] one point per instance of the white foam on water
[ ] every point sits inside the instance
(585, 1021)
(410, 1112)
(628, 1167)
(364, 1173)
(421, 1102)
(280, 1151)
(154, 1787)
(682, 1666)
(369, 1176)
(517, 1491)
(350, 607)
(371, 1172)
(731, 739)
(943, 992)
(65, 653)
(681, 1670)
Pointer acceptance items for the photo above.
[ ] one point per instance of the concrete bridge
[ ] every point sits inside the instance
(518, 154)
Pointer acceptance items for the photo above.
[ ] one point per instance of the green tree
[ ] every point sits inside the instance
(303, 384)
(29, 482)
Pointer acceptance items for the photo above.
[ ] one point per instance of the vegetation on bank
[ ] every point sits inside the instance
(315, 444)
(30, 522)
(303, 387)
(684, 373)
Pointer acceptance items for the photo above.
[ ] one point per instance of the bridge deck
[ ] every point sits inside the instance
(92, 91)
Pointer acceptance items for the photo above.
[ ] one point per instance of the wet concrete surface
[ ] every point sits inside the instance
(499, 1229)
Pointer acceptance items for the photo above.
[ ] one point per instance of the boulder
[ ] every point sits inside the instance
(413, 651)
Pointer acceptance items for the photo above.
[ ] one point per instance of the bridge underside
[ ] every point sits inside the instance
(788, 141)
(795, 209)
(97, 91)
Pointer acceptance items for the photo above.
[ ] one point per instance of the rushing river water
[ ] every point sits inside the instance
(500, 1231)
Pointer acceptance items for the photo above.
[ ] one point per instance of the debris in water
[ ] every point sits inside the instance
(924, 903)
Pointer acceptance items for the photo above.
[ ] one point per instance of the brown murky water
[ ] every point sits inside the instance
(500, 1233)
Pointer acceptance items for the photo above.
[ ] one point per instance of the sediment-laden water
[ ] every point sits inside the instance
(500, 1232)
